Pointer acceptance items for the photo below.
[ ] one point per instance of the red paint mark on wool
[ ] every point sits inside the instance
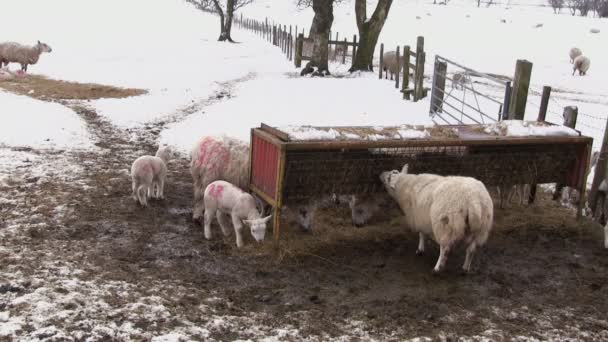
(216, 191)
(212, 155)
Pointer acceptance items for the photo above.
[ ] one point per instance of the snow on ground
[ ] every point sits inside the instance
(33, 123)
(279, 100)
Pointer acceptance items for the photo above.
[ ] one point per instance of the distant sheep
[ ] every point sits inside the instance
(390, 63)
(228, 202)
(449, 209)
(217, 158)
(574, 52)
(582, 64)
(459, 79)
(11, 52)
(148, 176)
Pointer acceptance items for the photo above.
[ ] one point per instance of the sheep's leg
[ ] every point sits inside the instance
(238, 230)
(161, 189)
(141, 195)
(443, 257)
(224, 222)
(134, 192)
(606, 236)
(469, 257)
(208, 219)
(420, 249)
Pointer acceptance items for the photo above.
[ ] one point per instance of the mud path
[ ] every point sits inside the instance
(79, 259)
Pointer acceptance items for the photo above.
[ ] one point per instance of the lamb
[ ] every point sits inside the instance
(222, 199)
(217, 158)
(582, 64)
(11, 52)
(148, 176)
(389, 62)
(574, 52)
(449, 209)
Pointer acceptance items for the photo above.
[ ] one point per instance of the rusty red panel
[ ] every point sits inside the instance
(264, 170)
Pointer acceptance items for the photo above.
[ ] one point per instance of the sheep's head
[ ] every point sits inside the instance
(389, 179)
(305, 214)
(362, 209)
(258, 227)
(164, 153)
(44, 47)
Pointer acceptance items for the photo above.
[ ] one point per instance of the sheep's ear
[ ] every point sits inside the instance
(38, 42)
(266, 219)
(247, 222)
(404, 169)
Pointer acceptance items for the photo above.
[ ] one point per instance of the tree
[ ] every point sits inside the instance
(369, 31)
(224, 10)
(319, 32)
(557, 5)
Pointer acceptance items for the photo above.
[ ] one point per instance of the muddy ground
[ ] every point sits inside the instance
(107, 269)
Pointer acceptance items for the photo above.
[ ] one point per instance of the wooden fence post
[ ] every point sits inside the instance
(406, 72)
(419, 72)
(519, 92)
(299, 47)
(570, 115)
(438, 87)
(599, 176)
(544, 103)
(381, 61)
(398, 67)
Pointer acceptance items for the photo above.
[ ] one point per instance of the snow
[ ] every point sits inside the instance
(519, 128)
(309, 133)
(33, 123)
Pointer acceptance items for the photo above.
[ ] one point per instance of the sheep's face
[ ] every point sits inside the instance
(258, 227)
(164, 153)
(362, 209)
(389, 179)
(305, 216)
(44, 47)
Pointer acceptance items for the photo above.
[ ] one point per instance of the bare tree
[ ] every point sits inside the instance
(319, 32)
(225, 10)
(369, 31)
(557, 5)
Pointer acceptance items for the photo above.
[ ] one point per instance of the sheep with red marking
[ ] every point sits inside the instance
(230, 204)
(449, 209)
(217, 158)
(148, 175)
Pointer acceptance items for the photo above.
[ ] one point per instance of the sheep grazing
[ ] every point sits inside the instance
(390, 63)
(582, 64)
(148, 175)
(11, 52)
(225, 200)
(217, 158)
(459, 79)
(449, 209)
(574, 52)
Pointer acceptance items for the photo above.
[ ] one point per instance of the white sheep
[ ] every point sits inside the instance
(389, 62)
(459, 79)
(449, 209)
(574, 52)
(11, 52)
(582, 64)
(148, 175)
(217, 158)
(223, 199)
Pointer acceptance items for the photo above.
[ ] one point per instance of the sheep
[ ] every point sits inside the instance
(217, 158)
(574, 52)
(449, 209)
(459, 79)
(148, 175)
(389, 62)
(11, 52)
(582, 64)
(222, 199)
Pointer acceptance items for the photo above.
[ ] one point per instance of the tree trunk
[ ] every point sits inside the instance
(225, 20)
(319, 32)
(369, 31)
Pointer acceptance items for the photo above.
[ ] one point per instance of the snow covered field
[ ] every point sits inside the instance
(79, 261)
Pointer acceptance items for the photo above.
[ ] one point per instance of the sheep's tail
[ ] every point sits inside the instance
(478, 219)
